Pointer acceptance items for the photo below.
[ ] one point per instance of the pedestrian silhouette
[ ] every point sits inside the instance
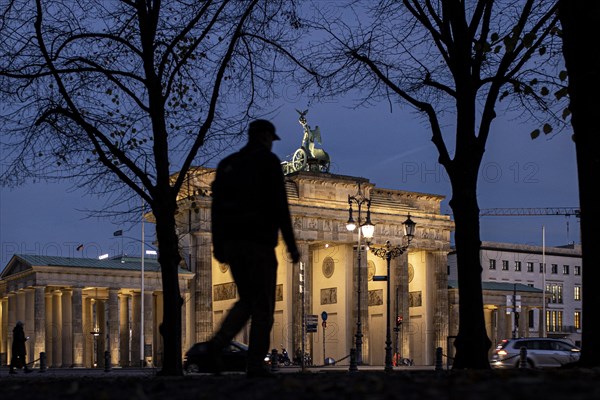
(19, 352)
(249, 209)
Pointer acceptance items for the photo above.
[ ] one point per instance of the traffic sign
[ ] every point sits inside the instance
(510, 307)
(312, 318)
(312, 321)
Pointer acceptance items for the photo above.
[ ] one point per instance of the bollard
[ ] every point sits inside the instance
(523, 357)
(106, 361)
(438, 359)
(42, 361)
(274, 361)
(353, 366)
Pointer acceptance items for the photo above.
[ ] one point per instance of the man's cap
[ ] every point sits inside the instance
(262, 127)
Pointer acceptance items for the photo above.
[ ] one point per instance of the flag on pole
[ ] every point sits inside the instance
(118, 233)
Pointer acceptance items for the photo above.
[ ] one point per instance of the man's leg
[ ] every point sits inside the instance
(263, 282)
(12, 365)
(239, 314)
(25, 367)
(254, 270)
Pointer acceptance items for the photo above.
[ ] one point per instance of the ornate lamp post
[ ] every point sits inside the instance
(388, 252)
(366, 229)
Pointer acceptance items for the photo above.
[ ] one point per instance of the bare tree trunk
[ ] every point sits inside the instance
(472, 343)
(579, 21)
(169, 259)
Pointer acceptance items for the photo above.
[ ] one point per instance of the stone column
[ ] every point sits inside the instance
(4, 331)
(57, 336)
(488, 315)
(189, 323)
(186, 320)
(159, 317)
(203, 287)
(296, 302)
(49, 324)
(148, 322)
(101, 337)
(88, 327)
(67, 328)
(398, 292)
(20, 314)
(77, 326)
(21, 303)
(124, 330)
(113, 325)
(135, 329)
(524, 322)
(309, 296)
(542, 320)
(494, 331)
(12, 320)
(504, 323)
(30, 324)
(353, 262)
(439, 261)
(453, 326)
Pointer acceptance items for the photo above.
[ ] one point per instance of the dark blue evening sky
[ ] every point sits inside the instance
(390, 148)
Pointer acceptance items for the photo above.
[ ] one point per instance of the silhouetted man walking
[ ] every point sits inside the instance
(18, 349)
(249, 208)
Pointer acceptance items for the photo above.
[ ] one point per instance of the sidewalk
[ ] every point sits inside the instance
(151, 372)
(127, 384)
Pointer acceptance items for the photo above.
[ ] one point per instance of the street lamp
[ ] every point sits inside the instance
(388, 252)
(366, 229)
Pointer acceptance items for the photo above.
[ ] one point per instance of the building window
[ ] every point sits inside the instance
(559, 293)
(529, 267)
(531, 319)
(517, 265)
(565, 270)
(577, 270)
(556, 289)
(577, 319)
(554, 321)
(492, 264)
(542, 268)
(504, 265)
(577, 293)
(554, 268)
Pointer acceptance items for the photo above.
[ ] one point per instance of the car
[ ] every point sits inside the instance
(234, 356)
(541, 353)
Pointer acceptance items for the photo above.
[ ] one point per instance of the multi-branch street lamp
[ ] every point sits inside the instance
(367, 229)
(388, 252)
